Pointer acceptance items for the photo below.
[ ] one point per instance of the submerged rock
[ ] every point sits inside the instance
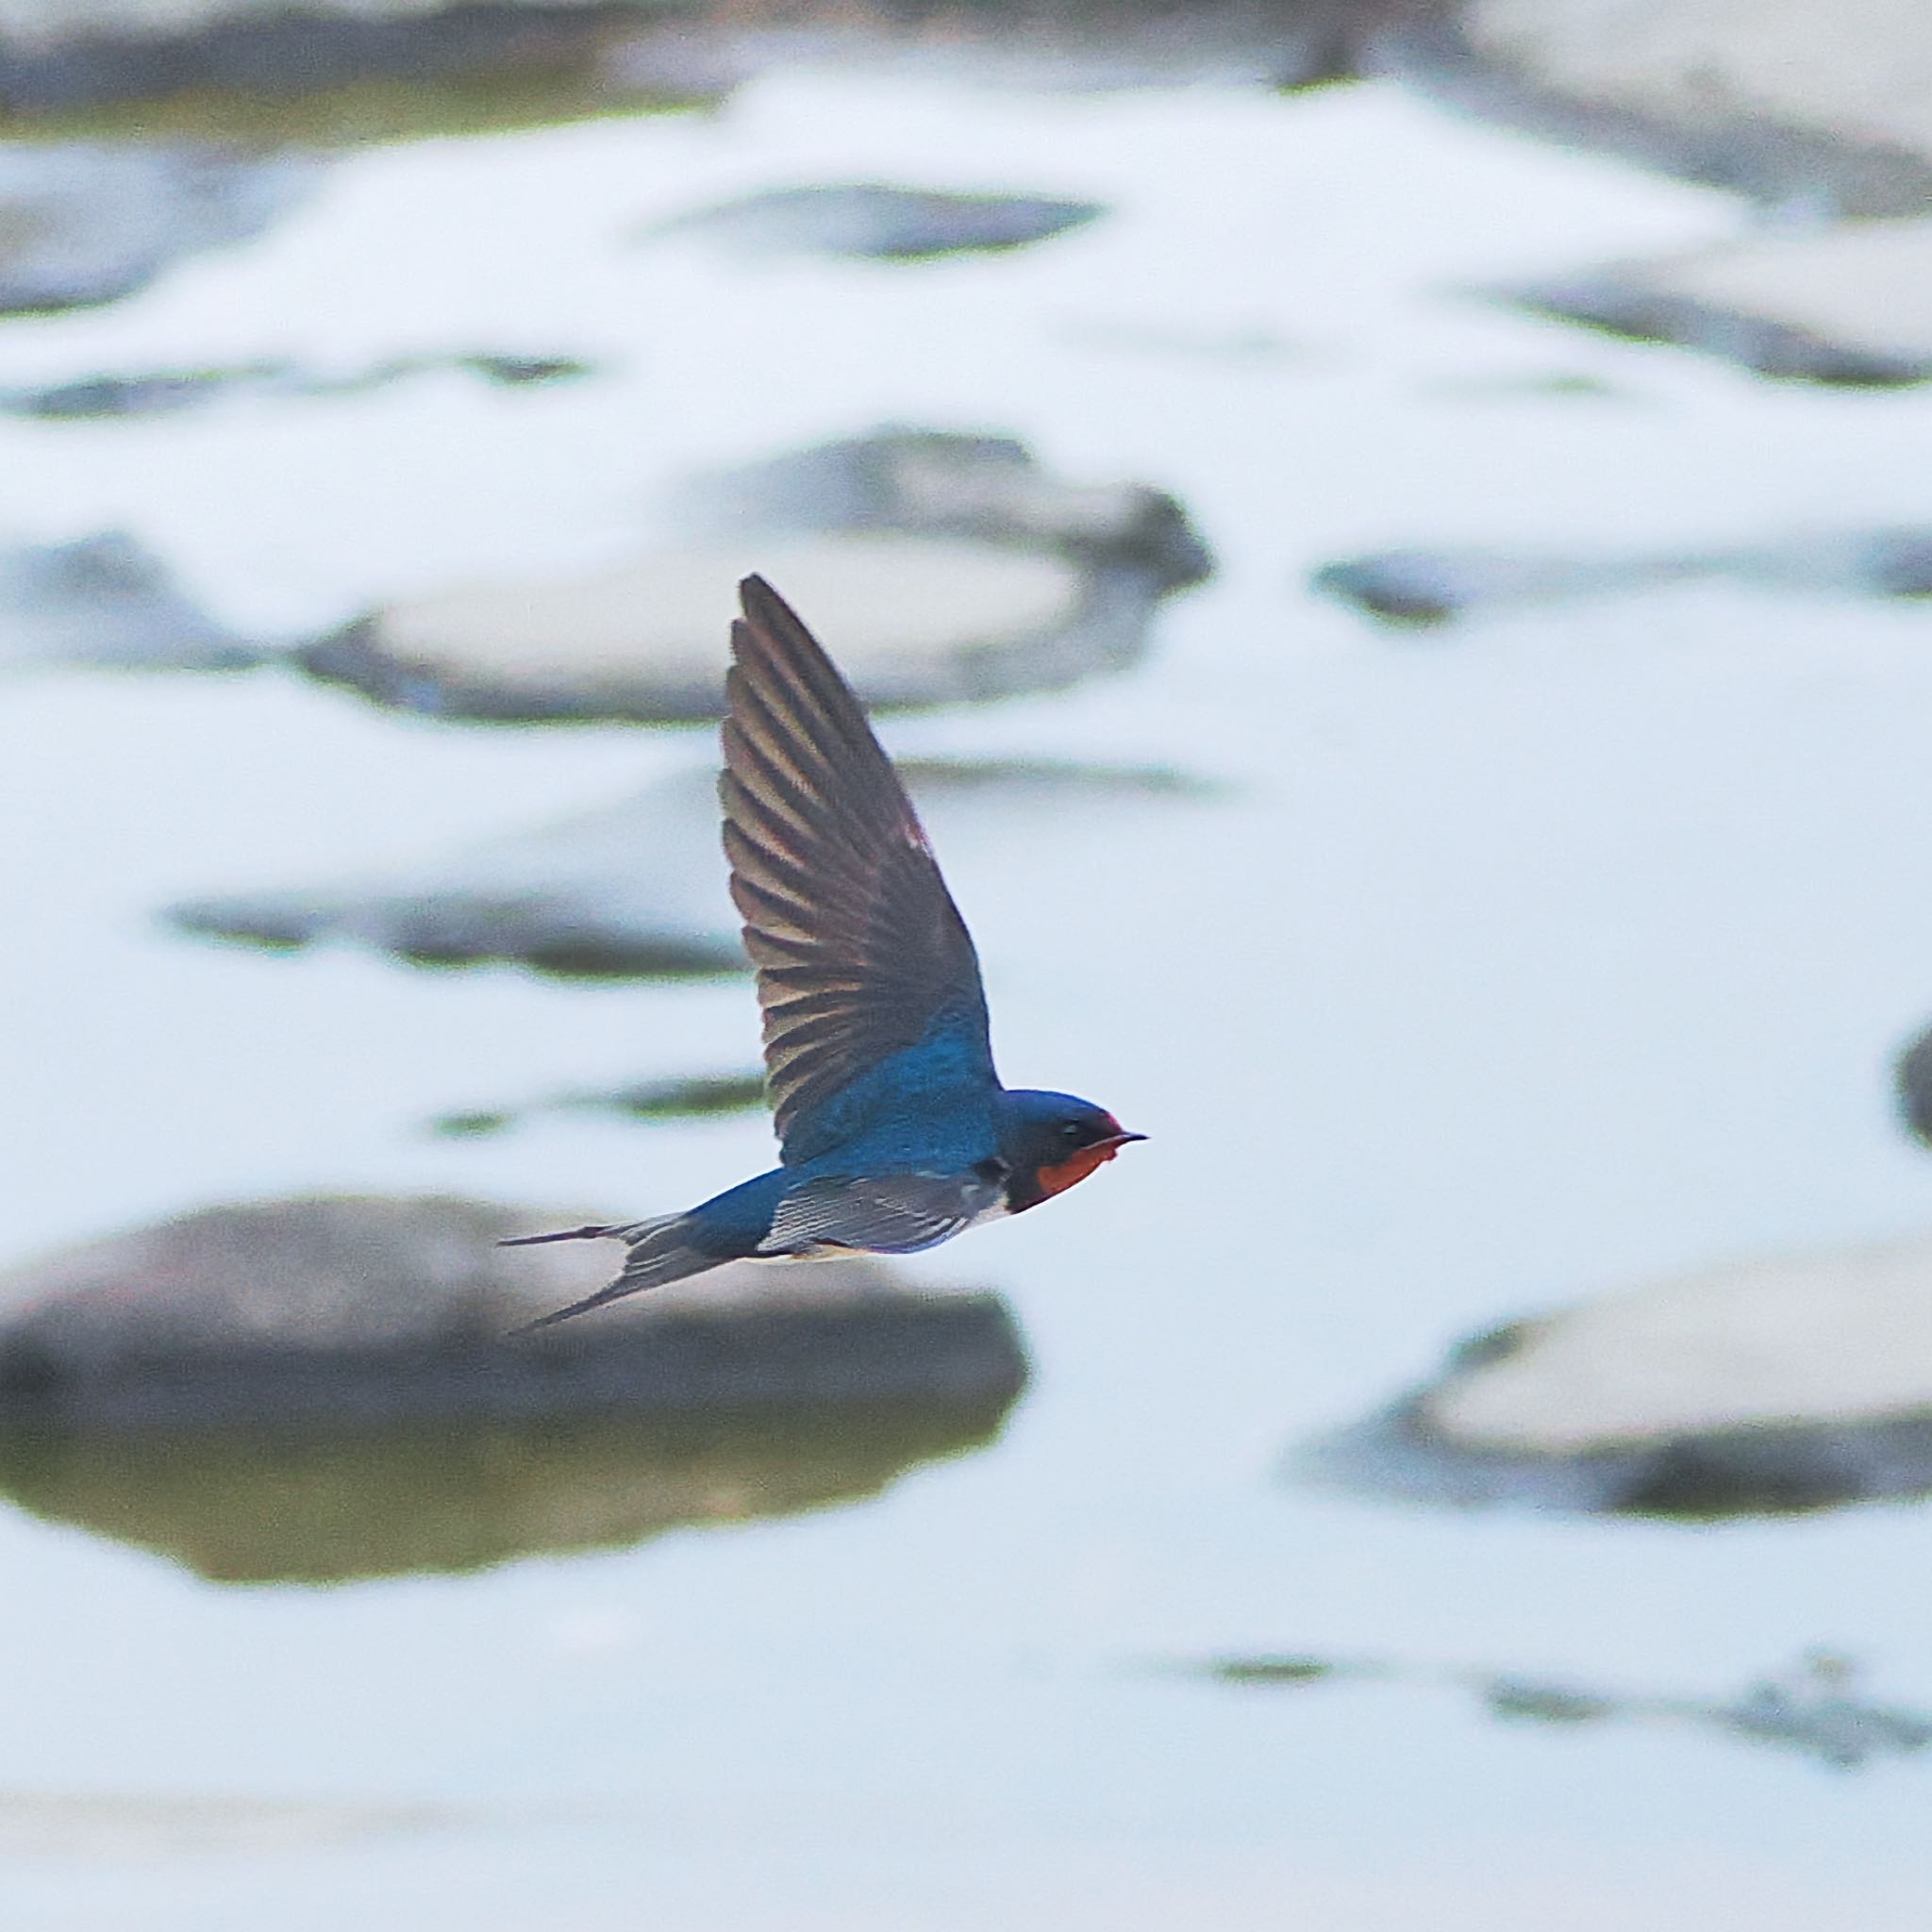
(1817, 1708)
(876, 222)
(1430, 587)
(637, 888)
(82, 224)
(166, 393)
(105, 601)
(941, 568)
(1763, 1387)
(361, 1312)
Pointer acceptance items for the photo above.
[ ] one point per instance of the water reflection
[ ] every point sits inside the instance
(144, 1826)
(260, 1506)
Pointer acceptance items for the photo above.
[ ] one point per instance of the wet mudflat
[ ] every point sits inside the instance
(1565, 952)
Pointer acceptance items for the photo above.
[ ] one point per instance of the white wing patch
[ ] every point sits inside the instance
(881, 1215)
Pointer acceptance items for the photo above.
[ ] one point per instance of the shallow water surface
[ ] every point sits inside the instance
(1497, 968)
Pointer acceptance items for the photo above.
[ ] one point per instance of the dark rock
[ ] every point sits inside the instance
(1913, 1075)
(1275, 1671)
(338, 71)
(508, 372)
(105, 601)
(1698, 125)
(1422, 588)
(1054, 43)
(879, 222)
(324, 71)
(1770, 1470)
(1629, 303)
(352, 1312)
(82, 224)
(1898, 563)
(1762, 1389)
(939, 567)
(473, 1123)
(1536, 1702)
(938, 483)
(160, 394)
(637, 890)
(1823, 115)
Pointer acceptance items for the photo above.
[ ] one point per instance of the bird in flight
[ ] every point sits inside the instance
(894, 1131)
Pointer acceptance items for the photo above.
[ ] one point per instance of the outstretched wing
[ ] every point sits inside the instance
(861, 951)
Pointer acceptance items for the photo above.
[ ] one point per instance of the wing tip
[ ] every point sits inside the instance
(773, 621)
(760, 631)
(763, 606)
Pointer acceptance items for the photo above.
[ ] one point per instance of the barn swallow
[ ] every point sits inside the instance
(894, 1131)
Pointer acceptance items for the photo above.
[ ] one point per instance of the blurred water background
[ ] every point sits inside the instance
(1453, 776)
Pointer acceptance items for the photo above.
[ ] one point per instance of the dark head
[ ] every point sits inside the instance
(1050, 1141)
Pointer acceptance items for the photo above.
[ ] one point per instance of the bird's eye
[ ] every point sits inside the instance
(1073, 1134)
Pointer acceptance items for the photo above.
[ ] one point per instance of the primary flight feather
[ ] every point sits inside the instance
(894, 1132)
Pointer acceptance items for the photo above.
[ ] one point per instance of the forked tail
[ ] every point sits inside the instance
(662, 1251)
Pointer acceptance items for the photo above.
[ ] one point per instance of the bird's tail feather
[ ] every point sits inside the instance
(660, 1253)
(567, 1234)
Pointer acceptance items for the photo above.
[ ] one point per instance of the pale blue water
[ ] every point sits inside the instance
(1561, 951)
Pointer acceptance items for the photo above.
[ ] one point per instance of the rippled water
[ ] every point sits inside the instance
(1507, 965)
